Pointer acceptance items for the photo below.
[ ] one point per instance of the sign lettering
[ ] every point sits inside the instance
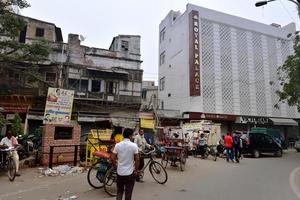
(194, 54)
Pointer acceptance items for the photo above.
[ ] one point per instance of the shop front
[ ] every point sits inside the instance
(226, 121)
(289, 128)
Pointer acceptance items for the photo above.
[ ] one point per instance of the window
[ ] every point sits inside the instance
(137, 77)
(39, 32)
(63, 133)
(162, 105)
(50, 77)
(169, 95)
(22, 37)
(162, 84)
(162, 58)
(162, 35)
(144, 94)
(96, 85)
(110, 87)
(124, 45)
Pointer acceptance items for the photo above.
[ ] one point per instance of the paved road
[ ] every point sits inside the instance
(260, 179)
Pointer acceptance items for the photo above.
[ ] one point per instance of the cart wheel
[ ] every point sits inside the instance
(95, 179)
(182, 161)
(164, 160)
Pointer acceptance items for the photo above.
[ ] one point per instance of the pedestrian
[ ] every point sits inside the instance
(142, 144)
(127, 154)
(228, 143)
(237, 146)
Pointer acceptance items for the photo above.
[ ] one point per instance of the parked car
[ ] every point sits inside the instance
(261, 143)
(297, 145)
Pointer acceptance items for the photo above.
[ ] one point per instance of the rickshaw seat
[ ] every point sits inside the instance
(101, 154)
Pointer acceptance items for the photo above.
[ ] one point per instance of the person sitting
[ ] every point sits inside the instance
(9, 141)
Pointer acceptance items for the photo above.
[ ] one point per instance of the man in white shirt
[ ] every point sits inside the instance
(142, 145)
(11, 142)
(126, 152)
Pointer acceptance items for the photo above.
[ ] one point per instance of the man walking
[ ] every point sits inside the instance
(237, 146)
(142, 145)
(228, 146)
(126, 152)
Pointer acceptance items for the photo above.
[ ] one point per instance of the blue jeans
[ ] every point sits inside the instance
(229, 154)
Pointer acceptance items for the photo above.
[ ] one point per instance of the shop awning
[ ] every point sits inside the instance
(284, 122)
(126, 123)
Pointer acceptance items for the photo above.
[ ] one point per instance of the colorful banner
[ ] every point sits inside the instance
(147, 123)
(58, 106)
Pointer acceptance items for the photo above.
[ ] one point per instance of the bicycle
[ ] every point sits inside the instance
(7, 163)
(102, 174)
(155, 168)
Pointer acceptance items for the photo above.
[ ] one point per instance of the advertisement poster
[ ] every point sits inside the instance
(58, 106)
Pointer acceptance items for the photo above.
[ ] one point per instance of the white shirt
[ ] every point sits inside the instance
(141, 142)
(9, 142)
(125, 151)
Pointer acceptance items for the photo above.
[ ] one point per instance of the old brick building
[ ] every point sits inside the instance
(107, 82)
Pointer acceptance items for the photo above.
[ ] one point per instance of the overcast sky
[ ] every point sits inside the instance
(100, 20)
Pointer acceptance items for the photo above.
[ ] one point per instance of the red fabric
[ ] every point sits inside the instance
(228, 141)
(101, 154)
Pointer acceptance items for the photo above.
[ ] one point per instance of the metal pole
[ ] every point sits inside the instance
(61, 67)
(51, 157)
(75, 155)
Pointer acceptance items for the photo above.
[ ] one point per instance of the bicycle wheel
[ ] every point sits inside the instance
(164, 160)
(158, 172)
(95, 179)
(182, 161)
(110, 182)
(11, 169)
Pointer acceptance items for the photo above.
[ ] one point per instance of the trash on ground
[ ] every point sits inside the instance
(61, 170)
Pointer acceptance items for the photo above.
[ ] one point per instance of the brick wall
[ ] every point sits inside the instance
(66, 152)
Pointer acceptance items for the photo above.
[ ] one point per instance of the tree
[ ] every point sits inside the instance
(16, 127)
(20, 57)
(289, 77)
(3, 121)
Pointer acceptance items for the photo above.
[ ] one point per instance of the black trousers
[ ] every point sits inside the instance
(125, 183)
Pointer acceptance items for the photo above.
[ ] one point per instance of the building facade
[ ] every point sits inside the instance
(107, 82)
(149, 96)
(218, 66)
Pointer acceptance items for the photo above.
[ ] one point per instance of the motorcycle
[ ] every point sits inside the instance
(205, 151)
(25, 147)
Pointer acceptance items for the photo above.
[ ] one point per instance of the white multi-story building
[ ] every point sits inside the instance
(218, 66)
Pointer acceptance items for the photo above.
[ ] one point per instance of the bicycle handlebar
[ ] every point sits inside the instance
(148, 153)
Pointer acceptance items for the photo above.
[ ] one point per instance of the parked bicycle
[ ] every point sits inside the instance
(7, 163)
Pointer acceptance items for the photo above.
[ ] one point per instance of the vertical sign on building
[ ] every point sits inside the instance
(194, 59)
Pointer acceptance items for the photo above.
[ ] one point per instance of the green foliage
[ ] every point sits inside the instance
(289, 77)
(12, 51)
(16, 127)
(3, 121)
(38, 132)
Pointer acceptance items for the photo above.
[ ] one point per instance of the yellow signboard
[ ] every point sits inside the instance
(58, 106)
(147, 123)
